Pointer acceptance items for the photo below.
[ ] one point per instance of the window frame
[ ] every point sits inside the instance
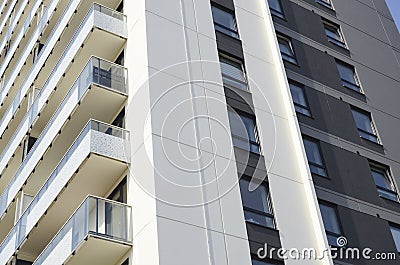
(337, 217)
(337, 30)
(278, 13)
(234, 33)
(291, 58)
(361, 131)
(396, 227)
(356, 87)
(325, 3)
(251, 143)
(270, 215)
(386, 173)
(231, 81)
(305, 108)
(120, 7)
(312, 164)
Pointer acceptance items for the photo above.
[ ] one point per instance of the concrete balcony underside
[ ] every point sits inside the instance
(107, 252)
(91, 166)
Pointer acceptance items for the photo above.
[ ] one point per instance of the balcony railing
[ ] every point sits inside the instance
(103, 139)
(96, 71)
(109, 19)
(99, 217)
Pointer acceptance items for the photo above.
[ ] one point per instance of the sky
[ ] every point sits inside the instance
(394, 6)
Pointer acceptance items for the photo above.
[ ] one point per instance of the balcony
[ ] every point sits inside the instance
(94, 162)
(93, 34)
(101, 83)
(97, 225)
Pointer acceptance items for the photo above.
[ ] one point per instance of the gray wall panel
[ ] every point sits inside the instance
(349, 174)
(302, 21)
(330, 115)
(229, 45)
(363, 230)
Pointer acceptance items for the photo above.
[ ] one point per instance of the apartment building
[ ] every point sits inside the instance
(198, 132)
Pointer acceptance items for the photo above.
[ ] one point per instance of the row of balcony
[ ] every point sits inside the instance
(19, 15)
(98, 16)
(99, 82)
(99, 155)
(92, 164)
(45, 56)
(28, 48)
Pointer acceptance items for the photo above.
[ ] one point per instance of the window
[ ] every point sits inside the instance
(119, 194)
(23, 262)
(365, 126)
(326, 3)
(396, 236)
(114, 217)
(276, 8)
(348, 75)
(28, 144)
(331, 223)
(233, 74)
(315, 161)
(383, 181)
(119, 121)
(36, 52)
(244, 131)
(299, 99)
(121, 58)
(7, 48)
(285, 46)
(256, 204)
(334, 34)
(120, 7)
(224, 21)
